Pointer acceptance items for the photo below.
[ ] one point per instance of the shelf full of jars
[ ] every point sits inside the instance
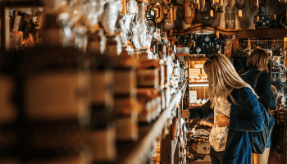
(80, 84)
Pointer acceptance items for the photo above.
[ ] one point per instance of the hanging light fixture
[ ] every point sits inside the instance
(214, 5)
(240, 5)
(230, 15)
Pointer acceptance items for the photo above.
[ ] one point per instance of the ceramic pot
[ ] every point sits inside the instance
(262, 19)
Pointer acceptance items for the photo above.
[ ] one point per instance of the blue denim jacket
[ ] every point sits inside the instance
(263, 87)
(238, 147)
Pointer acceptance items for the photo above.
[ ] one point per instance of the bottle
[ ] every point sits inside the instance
(126, 106)
(101, 128)
(178, 45)
(230, 16)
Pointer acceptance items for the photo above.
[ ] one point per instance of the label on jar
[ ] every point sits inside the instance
(95, 47)
(127, 127)
(8, 111)
(125, 105)
(125, 82)
(147, 77)
(101, 87)
(54, 96)
(145, 114)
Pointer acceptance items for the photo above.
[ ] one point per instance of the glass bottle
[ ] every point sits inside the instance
(230, 16)
(101, 119)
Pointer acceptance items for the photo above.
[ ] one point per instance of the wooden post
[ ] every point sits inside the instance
(235, 44)
(2, 27)
(6, 26)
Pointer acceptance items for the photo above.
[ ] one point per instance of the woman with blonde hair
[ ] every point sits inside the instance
(228, 138)
(257, 64)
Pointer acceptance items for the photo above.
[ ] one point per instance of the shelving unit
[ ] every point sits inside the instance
(133, 152)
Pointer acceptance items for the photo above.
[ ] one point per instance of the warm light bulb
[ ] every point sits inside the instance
(240, 13)
(75, 12)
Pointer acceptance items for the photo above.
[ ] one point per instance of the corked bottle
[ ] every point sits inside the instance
(101, 129)
(55, 100)
(9, 113)
(126, 107)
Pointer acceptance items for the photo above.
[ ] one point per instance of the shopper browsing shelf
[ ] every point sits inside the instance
(229, 135)
(257, 66)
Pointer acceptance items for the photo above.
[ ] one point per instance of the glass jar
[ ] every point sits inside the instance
(230, 17)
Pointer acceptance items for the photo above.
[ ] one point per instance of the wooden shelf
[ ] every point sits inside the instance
(242, 33)
(192, 59)
(198, 59)
(201, 26)
(198, 85)
(22, 3)
(261, 33)
(183, 55)
(134, 152)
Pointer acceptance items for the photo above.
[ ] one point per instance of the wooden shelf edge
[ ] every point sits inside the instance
(144, 145)
(257, 33)
(22, 3)
(239, 33)
(174, 144)
(204, 26)
(198, 84)
(198, 59)
(182, 54)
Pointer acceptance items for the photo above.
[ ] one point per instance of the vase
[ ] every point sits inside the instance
(262, 19)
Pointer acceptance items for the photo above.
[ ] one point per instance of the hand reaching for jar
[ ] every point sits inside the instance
(222, 120)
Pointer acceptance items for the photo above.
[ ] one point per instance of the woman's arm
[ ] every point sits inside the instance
(252, 120)
(201, 112)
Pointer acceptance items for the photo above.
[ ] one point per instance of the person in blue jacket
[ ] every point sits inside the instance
(228, 138)
(258, 61)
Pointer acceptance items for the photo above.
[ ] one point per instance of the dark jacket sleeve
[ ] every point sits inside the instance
(253, 119)
(201, 112)
(265, 91)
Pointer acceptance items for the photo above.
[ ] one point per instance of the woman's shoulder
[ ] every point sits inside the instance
(264, 76)
(264, 73)
(247, 93)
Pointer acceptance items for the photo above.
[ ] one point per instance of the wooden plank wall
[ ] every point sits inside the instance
(201, 92)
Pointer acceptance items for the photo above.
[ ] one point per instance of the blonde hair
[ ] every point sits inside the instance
(259, 59)
(222, 78)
